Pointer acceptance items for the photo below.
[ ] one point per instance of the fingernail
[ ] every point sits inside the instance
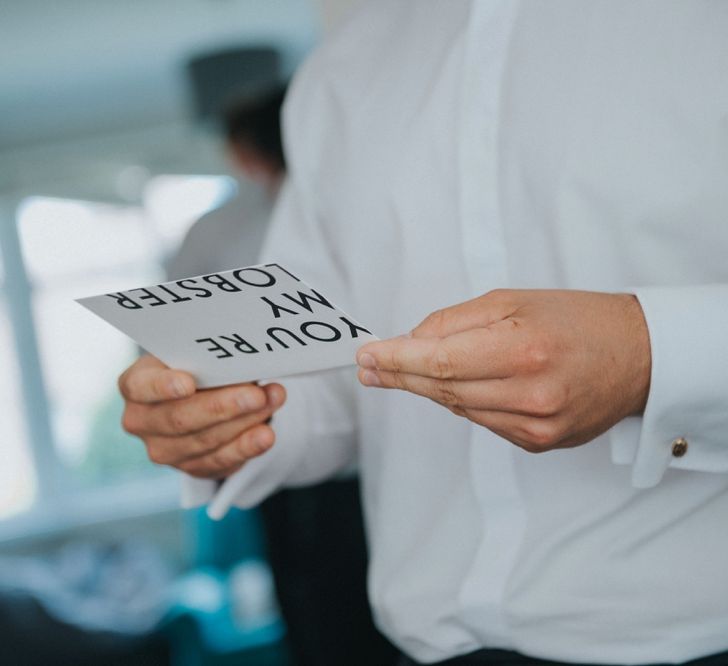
(367, 361)
(369, 378)
(178, 388)
(276, 398)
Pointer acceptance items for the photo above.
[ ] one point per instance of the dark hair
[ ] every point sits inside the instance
(257, 123)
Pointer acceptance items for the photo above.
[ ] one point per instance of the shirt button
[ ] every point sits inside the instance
(679, 447)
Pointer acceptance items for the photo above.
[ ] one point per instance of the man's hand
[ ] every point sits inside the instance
(543, 369)
(207, 433)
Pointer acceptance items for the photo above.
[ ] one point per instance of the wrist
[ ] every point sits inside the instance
(638, 366)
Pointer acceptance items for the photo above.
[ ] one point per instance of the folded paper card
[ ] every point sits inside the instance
(251, 323)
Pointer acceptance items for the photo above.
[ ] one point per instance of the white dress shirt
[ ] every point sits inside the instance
(442, 149)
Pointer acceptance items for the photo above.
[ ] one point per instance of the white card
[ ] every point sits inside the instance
(251, 323)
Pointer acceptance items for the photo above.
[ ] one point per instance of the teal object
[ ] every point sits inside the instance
(224, 543)
(219, 615)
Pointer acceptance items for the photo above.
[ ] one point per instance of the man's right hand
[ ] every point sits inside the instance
(208, 433)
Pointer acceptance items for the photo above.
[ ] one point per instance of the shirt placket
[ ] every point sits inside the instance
(492, 472)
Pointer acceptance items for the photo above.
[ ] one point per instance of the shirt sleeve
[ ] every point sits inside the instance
(685, 422)
(315, 429)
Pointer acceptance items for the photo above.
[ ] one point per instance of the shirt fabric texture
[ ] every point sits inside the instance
(442, 149)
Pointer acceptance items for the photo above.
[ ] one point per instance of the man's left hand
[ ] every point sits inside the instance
(544, 369)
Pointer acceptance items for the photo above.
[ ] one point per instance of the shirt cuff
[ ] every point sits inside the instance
(685, 422)
(196, 492)
(260, 476)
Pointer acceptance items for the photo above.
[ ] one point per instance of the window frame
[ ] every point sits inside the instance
(17, 293)
(59, 505)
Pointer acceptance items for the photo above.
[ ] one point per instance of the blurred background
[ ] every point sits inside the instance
(112, 145)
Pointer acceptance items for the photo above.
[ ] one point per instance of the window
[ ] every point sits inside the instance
(17, 477)
(70, 360)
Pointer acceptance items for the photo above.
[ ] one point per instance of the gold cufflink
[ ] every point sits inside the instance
(679, 447)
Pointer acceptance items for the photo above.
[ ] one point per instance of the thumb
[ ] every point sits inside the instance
(476, 313)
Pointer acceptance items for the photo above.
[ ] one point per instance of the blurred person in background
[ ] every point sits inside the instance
(314, 536)
(231, 236)
(573, 153)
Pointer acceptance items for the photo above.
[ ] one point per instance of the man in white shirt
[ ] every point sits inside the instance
(314, 536)
(442, 150)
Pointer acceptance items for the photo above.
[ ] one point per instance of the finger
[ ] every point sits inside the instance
(149, 380)
(475, 313)
(275, 393)
(221, 462)
(532, 434)
(175, 450)
(513, 395)
(481, 353)
(202, 410)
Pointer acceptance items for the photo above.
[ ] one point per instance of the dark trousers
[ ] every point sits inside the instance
(317, 550)
(507, 658)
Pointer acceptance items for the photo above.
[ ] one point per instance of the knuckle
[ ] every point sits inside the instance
(157, 455)
(133, 419)
(445, 393)
(441, 364)
(128, 421)
(398, 381)
(177, 420)
(500, 298)
(541, 436)
(498, 294)
(458, 411)
(434, 322)
(221, 458)
(205, 440)
(527, 446)
(394, 362)
(536, 356)
(219, 408)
